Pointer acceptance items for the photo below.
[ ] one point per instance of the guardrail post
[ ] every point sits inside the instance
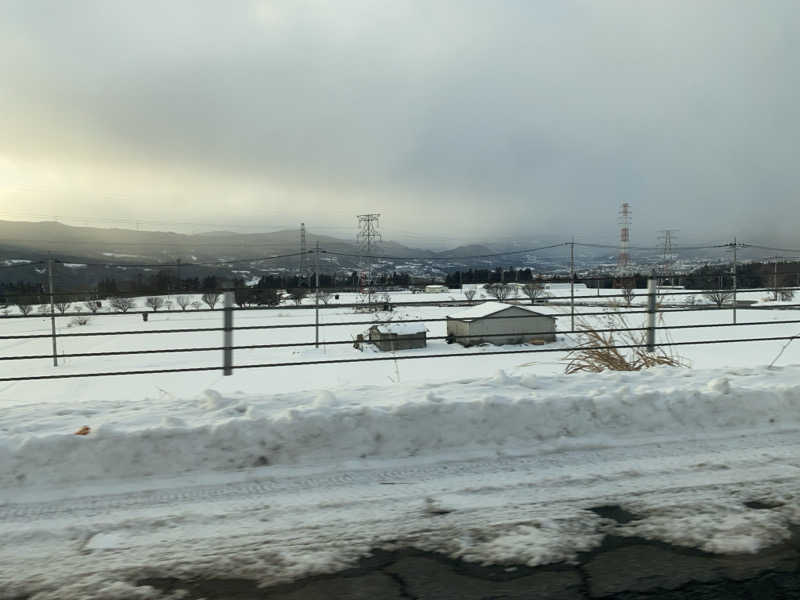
(651, 313)
(227, 326)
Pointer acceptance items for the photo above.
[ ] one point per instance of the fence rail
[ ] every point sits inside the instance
(228, 328)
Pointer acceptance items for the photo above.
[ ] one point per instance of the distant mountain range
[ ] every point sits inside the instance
(200, 253)
(255, 253)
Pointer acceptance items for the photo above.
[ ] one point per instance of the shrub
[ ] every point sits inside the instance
(618, 349)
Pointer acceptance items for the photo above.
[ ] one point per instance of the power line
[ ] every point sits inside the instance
(770, 248)
(449, 258)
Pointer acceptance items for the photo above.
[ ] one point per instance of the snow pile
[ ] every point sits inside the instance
(214, 432)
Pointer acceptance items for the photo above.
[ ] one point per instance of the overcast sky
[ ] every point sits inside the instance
(455, 120)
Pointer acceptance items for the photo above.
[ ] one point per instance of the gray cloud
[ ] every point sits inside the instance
(491, 118)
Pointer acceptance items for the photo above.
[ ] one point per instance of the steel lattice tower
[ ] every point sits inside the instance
(303, 251)
(668, 259)
(368, 238)
(624, 257)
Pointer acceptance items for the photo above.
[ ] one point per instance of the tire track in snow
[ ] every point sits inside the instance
(622, 462)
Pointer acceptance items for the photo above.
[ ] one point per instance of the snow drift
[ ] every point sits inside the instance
(502, 413)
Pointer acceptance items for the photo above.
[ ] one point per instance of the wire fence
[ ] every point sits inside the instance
(659, 302)
(571, 336)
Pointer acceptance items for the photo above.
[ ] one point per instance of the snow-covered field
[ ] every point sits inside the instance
(276, 473)
(286, 379)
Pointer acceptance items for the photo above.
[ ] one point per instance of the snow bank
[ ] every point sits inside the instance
(214, 432)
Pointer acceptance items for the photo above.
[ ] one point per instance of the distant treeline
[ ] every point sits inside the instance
(167, 282)
(748, 275)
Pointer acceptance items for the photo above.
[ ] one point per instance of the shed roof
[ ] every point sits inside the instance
(401, 328)
(488, 309)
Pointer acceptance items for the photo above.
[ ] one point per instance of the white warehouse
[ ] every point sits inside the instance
(498, 323)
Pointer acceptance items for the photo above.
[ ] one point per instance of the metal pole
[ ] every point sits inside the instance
(227, 312)
(651, 313)
(52, 310)
(316, 297)
(775, 278)
(572, 284)
(734, 280)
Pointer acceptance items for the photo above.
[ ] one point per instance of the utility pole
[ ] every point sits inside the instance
(316, 296)
(52, 310)
(303, 250)
(774, 260)
(368, 237)
(572, 284)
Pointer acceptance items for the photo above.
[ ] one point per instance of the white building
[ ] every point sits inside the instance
(498, 323)
(436, 289)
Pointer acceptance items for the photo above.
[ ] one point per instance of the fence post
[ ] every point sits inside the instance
(52, 310)
(572, 286)
(227, 326)
(734, 280)
(651, 313)
(316, 297)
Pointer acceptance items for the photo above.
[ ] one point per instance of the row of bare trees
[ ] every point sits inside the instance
(119, 303)
(501, 291)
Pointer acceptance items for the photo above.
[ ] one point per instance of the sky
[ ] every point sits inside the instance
(456, 121)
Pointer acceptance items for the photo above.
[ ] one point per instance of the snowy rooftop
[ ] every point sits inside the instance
(486, 309)
(402, 328)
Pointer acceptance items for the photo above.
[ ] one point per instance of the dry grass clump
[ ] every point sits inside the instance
(617, 350)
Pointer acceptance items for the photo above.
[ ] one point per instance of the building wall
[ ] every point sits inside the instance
(506, 330)
(390, 342)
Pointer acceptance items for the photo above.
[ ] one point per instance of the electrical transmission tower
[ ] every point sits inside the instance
(368, 238)
(303, 250)
(667, 236)
(624, 257)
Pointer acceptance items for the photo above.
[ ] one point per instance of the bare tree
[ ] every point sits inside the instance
(62, 306)
(154, 302)
(469, 294)
(498, 291)
(121, 303)
(533, 291)
(196, 304)
(92, 305)
(25, 306)
(325, 296)
(718, 297)
(298, 294)
(627, 291)
(211, 299)
(183, 301)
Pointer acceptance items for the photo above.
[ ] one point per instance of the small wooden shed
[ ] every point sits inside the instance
(389, 337)
(498, 323)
